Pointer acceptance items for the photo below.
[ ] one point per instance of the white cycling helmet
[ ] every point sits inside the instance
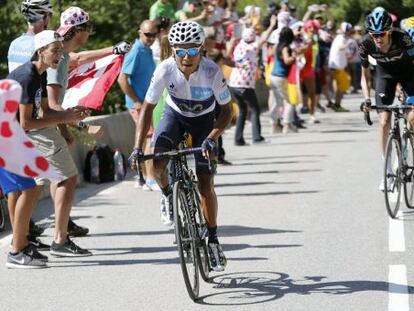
(35, 10)
(186, 32)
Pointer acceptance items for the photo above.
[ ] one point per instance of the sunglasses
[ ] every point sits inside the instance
(150, 34)
(191, 52)
(378, 35)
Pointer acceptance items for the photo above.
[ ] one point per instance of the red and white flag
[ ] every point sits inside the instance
(89, 83)
(17, 153)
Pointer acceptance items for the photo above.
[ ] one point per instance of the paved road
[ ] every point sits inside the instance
(302, 223)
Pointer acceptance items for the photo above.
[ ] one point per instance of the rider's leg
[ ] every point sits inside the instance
(161, 173)
(208, 198)
(411, 119)
(384, 128)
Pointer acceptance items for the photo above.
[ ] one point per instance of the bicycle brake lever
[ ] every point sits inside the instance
(140, 175)
(367, 118)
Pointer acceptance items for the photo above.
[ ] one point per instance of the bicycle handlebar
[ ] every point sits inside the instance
(170, 155)
(367, 117)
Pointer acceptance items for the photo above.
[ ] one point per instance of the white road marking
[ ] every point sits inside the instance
(397, 288)
(396, 239)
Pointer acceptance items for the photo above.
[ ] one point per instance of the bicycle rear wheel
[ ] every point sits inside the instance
(408, 152)
(2, 214)
(202, 251)
(187, 249)
(392, 176)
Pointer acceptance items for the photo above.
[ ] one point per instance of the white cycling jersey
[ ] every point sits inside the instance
(193, 97)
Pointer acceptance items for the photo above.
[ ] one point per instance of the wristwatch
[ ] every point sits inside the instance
(81, 125)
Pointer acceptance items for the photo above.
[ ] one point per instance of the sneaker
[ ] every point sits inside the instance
(276, 128)
(32, 251)
(37, 244)
(320, 108)
(261, 140)
(151, 185)
(241, 143)
(23, 260)
(68, 249)
(34, 229)
(166, 210)
(224, 162)
(390, 180)
(217, 259)
(304, 110)
(288, 128)
(339, 108)
(313, 120)
(138, 184)
(75, 230)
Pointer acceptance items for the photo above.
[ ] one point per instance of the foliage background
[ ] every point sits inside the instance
(116, 20)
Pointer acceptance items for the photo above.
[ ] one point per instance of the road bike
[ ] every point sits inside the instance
(190, 225)
(399, 159)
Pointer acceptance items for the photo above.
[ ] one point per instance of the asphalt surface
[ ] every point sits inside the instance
(302, 223)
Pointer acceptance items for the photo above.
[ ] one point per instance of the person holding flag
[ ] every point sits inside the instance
(75, 28)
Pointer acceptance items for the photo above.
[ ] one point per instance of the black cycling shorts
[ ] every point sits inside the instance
(171, 128)
(385, 86)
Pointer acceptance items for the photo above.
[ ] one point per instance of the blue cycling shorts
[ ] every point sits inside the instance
(10, 182)
(171, 128)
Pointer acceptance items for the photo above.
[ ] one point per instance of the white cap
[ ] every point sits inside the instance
(45, 38)
(346, 27)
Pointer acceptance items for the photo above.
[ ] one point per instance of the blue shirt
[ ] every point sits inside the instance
(280, 69)
(21, 51)
(139, 65)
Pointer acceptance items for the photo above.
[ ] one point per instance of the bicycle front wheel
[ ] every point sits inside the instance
(184, 235)
(392, 176)
(408, 152)
(202, 251)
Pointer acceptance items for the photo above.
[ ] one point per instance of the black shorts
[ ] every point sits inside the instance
(171, 128)
(386, 84)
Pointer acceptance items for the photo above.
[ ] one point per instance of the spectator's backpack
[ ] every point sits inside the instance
(106, 163)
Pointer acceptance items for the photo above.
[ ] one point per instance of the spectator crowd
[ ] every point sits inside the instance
(306, 65)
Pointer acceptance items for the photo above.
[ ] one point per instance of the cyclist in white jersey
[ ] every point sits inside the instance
(195, 85)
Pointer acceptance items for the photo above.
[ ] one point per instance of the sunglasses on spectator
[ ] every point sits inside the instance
(150, 34)
(378, 35)
(191, 52)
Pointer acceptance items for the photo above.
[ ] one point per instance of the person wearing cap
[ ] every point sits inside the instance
(37, 119)
(338, 62)
(242, 81)
(134, 80)
(162, 8)
(284, 6)
(37, 14)
(75, 27)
